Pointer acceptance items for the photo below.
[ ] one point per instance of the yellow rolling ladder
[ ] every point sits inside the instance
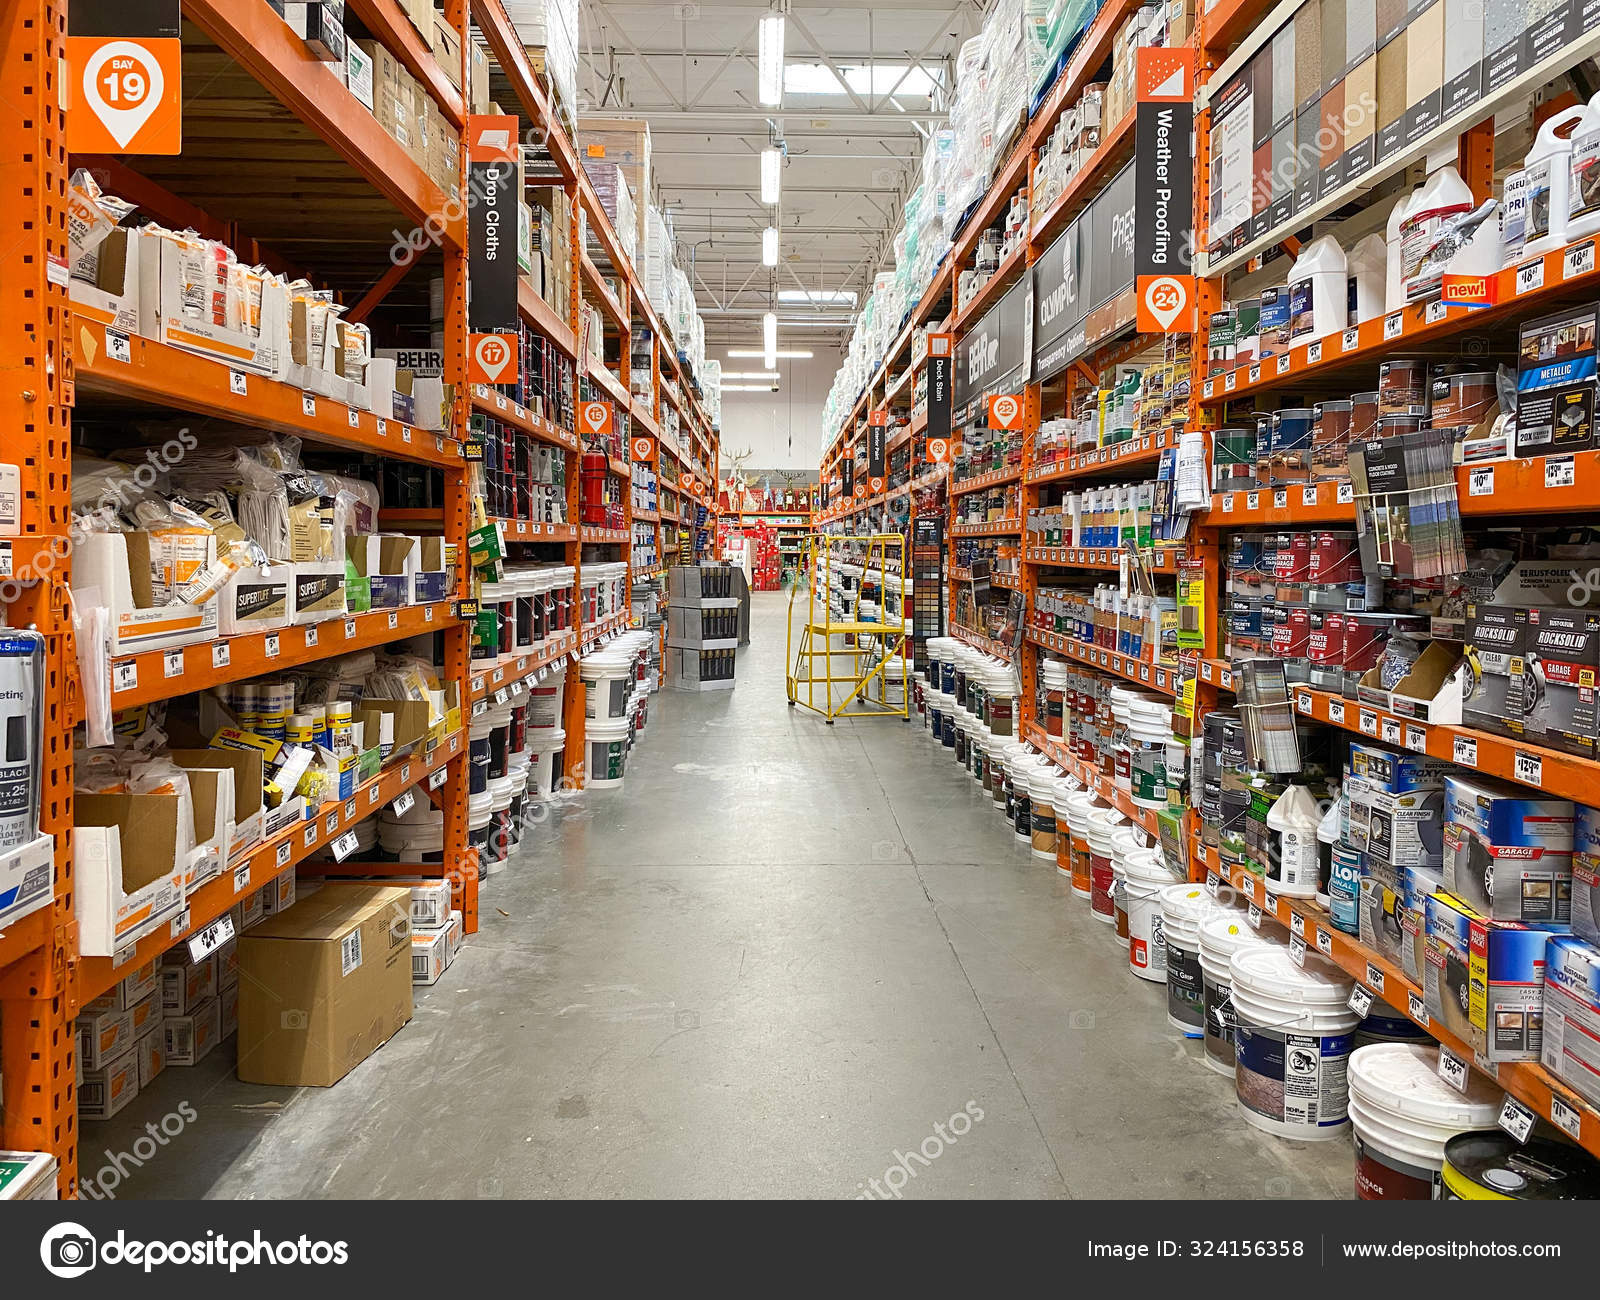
(872, 648)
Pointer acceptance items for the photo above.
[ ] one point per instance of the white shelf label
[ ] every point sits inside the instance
(345, 845)
(1527, 768)
(1464, 750)
(180, 923)
(1394, 325)
(1416, 1008)
(211, 938)
(383, 427)
(404, 804)
(308, 404)
(1360, 1000)
(1417, 739)
(1480, 481)
(1559, 472)
(1347, 493)
(1579, 260)
(1391, 731)
(1308, 496)
(1374, 978)
(1566, 1117)
(1351, 340)
(124, 675)
(330, 823)
(281, 858)
(1280, 499)
(1314, 353)
(1530, 276)
(1213, 885)
(221, 656)
(1230, 381)
(271, 645)
(353, 416)
(1227, 503)
(1297, 925)
(1324, 943)
(1368, 722)
(241, 879)
(349, 629)
(117, 347)
(1302, 703)
(1252, 500)
(374, 793)
(349, 810)
(1297, 951)
(1255, 376)
(238, 383)
(394, 619)
(1452, 1069)
(437, 779)
(1516, 1118)
(1336, 712)
(1255, 916)
(1435, 312)
(1284, 362)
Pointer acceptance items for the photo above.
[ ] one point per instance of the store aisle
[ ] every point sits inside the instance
(766, 971)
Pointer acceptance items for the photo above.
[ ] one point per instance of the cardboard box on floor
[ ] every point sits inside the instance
(324, 985)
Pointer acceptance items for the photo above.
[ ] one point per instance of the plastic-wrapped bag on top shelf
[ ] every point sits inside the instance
(91, 217)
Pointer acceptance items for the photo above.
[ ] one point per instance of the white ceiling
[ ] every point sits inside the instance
(690, 68)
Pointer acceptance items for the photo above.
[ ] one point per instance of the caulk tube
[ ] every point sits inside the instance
(21, 735)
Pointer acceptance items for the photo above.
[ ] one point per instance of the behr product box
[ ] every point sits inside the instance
(1572, 1014)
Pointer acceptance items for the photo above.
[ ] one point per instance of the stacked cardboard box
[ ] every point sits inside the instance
(550, 247)
(410, 114)
(623, 143)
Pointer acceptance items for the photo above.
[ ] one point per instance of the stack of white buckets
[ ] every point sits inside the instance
(617, 681)
(1305, 1065)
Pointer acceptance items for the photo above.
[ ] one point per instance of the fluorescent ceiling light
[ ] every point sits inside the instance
(769, 340)
(750, 374)
(769, 247)
(769, 61)
(751, 388)
(819, 297)
(750, 353)
(771, 176)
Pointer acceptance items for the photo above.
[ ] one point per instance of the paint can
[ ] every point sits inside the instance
(1403, 1114)
(1220, 937)
(1184, 908)
(1145, 877)
(1042, 782)
(607, 743)
(1079, 805)
(1292, 1040)
(1496, 1167)
(1102, 822)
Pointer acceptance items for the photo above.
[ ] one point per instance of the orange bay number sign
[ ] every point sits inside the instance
(492, 359)
(127, 95)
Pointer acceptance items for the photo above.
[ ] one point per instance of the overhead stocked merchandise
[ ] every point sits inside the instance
(1272, 623)
(319, 573)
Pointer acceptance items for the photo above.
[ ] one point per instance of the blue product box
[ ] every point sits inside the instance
(1571, 1048)
(1383, 769)
(1586, 874)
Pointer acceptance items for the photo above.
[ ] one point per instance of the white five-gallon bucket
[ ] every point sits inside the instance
(544, 701)
(607, 681)
(1145, 877)
(1042, 785)
(543, 746)
(1149, 730)
(1079, 806)
(607, 743)
(1293, 1040)
(1103, 822)
(1184, 908)
(1220, 937)
(1403, 1113)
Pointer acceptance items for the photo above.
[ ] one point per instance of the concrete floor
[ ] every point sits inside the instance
(781, 955)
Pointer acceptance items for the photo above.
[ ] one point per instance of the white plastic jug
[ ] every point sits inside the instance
(1317, 290)
(1394, 285)
(1583, 184)
(1547, 169)
(1293, 819)
(1444, 196)
(1365, 268)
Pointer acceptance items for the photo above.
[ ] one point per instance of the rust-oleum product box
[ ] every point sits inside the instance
(1572, 1014)
(1494, 643)
(1553, 680)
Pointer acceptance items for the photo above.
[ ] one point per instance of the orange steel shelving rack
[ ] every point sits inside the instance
(1510, 488)
(55, 361)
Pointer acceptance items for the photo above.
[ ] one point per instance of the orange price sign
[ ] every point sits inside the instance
(129, 95)
(492, 359)
(596, 419)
